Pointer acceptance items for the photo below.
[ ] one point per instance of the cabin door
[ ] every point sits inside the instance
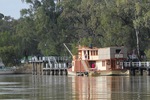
(113, 64)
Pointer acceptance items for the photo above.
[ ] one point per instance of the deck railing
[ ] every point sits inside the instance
(135, 64)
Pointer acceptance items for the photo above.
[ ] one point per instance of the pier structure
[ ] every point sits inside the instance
(136, 67)
(50, 65)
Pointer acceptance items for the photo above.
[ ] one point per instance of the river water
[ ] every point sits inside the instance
(38, 87)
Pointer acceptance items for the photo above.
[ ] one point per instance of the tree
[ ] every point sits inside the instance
(27, 37)
(1, 16)
(83, 18)
(138, 15)
(48, 29)
(8, 49)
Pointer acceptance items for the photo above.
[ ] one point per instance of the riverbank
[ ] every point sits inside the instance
(24, 69)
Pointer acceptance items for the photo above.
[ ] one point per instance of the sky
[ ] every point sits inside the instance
(12, 7)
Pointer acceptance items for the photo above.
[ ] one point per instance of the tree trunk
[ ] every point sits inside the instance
(137, 41)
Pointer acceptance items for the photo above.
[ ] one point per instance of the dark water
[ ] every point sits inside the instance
(30, 87)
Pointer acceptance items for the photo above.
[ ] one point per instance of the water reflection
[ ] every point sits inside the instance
(112, 88)
(92, 88)
(50, 87)
(36, 87)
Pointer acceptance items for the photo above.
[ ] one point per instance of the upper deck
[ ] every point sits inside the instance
(86, 53)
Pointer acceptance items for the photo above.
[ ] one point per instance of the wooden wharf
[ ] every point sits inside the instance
(135, 67)
(49, 65)
(52, 65)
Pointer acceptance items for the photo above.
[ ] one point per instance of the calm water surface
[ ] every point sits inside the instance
(30, 87)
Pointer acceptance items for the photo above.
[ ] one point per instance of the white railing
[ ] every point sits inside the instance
(135, 64)
(57, 66)
(52, 62)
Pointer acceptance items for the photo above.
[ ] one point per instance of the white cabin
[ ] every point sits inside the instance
(103, 58)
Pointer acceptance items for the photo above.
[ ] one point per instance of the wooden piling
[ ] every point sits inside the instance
(141, 71)
(66, 71)
(49, 66)
(149, 72)
(132, 71)
(52, 72)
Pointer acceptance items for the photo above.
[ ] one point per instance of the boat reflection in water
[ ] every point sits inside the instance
(92, 88)
(111, 88)
(44, 87)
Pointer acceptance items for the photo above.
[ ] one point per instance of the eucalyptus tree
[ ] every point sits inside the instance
(48, 30)
(111, 26)
(115, 23)
(26, 35)
(138, 12)
(84, 20)
(8, 48)
(101, 22)
(1, 15)
(95, 21)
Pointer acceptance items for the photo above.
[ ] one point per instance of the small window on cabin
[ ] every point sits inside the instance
(118, 51)
(96, 52)
(84, 52)
(92, 53)
(103, 63)
(108, 62)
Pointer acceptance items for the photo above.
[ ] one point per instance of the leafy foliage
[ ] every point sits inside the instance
(46, 25)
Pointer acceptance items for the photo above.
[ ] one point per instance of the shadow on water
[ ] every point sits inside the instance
(36, 87)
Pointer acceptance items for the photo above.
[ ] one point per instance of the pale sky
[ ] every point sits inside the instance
(12, 7)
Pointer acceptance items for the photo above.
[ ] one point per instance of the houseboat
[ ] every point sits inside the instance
(99, 61)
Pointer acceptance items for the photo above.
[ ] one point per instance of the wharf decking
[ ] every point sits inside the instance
(50, 66)
(136, 67)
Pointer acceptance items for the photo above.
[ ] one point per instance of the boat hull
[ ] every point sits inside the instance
(115, 72)
(72, 73)
(101, 73)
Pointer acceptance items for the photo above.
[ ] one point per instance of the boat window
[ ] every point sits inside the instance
(103, 63)
(118, 51)
(84, 52)
(94, 52)
(108, 62)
